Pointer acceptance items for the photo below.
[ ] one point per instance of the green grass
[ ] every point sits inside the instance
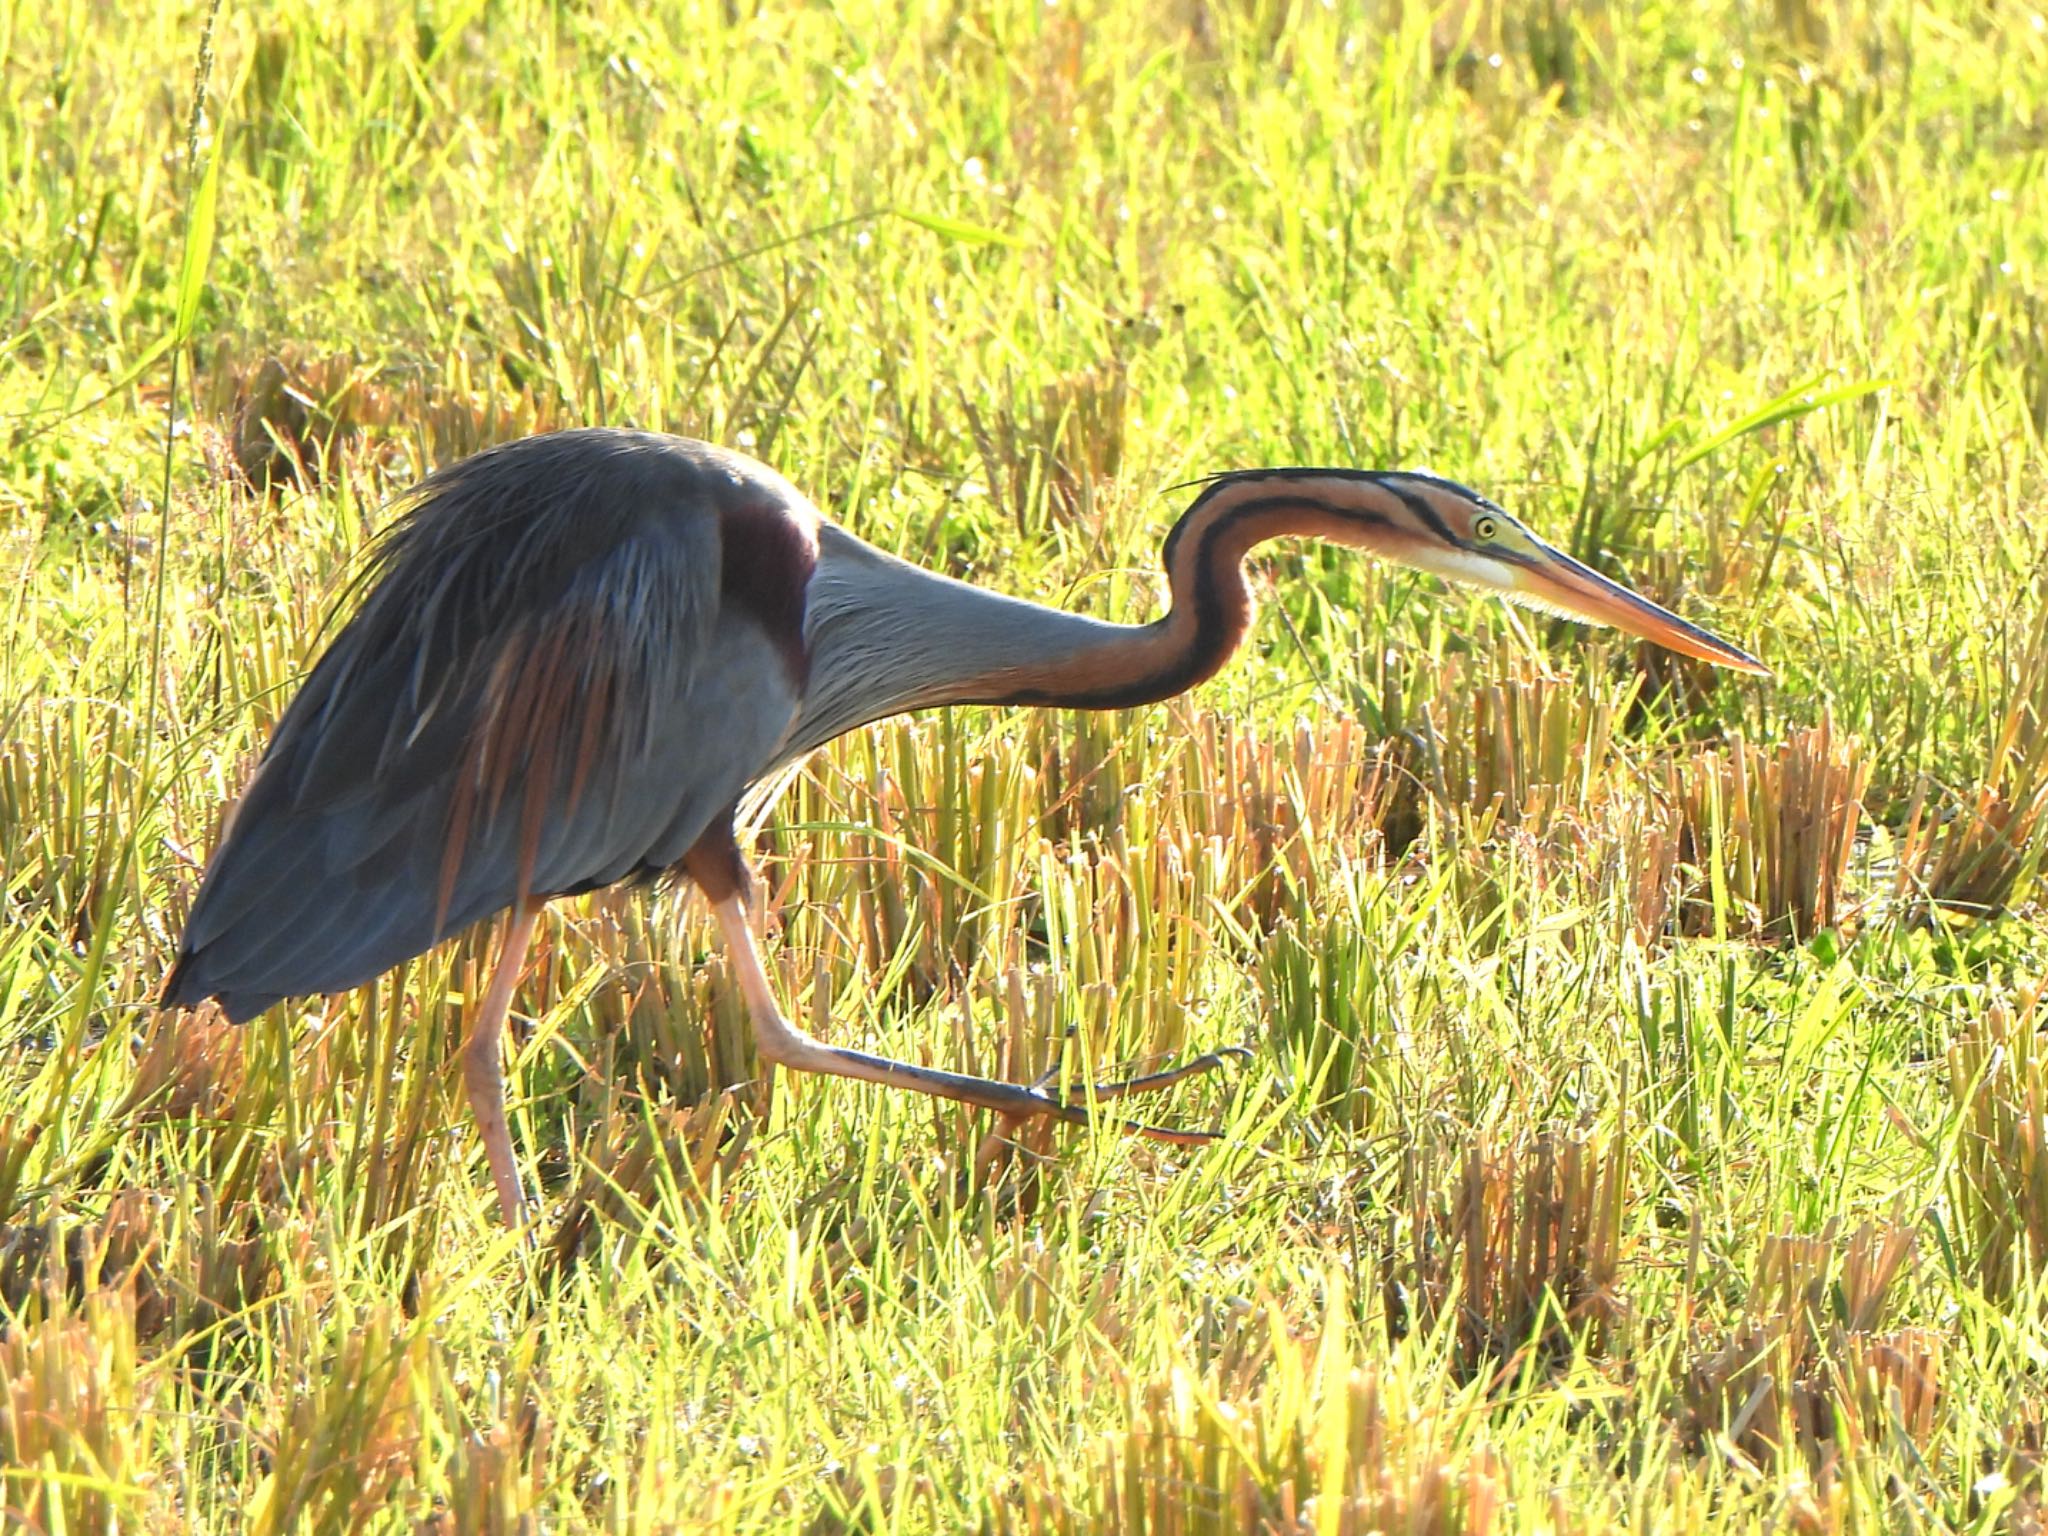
(1620, 1152)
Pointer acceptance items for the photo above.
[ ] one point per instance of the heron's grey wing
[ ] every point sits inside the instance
(496, 722)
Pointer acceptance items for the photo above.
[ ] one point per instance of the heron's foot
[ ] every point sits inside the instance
(1072, 1104)
(1013, 1101)
(779, 1041)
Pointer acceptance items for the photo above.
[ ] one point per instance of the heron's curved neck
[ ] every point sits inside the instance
(885, 636)
(1208, 613)
(1211, 604)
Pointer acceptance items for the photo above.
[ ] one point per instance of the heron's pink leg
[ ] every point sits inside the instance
(483, 1065)
(779, 1041)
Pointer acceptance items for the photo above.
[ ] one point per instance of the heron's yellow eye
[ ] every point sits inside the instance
(1484, 529)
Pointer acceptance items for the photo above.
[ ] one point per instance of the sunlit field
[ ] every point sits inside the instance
(1647, 1125)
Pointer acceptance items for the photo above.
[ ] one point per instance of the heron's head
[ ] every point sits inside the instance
(1449, 531)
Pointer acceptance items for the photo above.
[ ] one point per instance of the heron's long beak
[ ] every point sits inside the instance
(1553, 579)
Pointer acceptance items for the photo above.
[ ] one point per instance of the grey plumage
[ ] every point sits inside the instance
(868, 664)
(586, 564)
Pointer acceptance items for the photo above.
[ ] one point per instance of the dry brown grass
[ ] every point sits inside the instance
(1977, 851)
(1520, 1257)
(1809, 1371)
(642, 1158)
(1530, 749)
(1291, 1435)
(186, 1069)
(1055, 449)
(346, 1438)
(1998, 1082)
(1274, 811)
(289, 418)
(1773, 833)
(185, 1268)
(75, 1446)
(496, 1481)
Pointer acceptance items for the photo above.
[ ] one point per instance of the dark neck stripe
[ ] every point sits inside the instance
(1213, 639)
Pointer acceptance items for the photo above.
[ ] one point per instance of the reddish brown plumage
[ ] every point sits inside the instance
(546, 689)
(767, 555)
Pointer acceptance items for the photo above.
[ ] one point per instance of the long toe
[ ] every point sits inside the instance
(1072, 1106)
(1148, 1082)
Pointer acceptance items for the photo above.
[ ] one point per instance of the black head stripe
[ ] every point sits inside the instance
(1420, 506)
(1438, 482)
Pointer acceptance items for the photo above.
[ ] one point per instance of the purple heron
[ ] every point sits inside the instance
(577, 652)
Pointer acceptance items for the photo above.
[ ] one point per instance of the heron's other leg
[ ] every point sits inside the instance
(782, 1042)
(483, 1064)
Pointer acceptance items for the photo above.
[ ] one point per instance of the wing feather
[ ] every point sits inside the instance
(541, 693)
